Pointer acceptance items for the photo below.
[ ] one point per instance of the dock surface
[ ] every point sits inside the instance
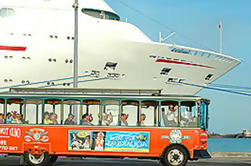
(14, 161)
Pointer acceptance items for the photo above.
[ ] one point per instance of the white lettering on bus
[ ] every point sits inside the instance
(15, 132)
(12, 132)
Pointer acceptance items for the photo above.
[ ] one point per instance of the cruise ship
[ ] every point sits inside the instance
(37, 43)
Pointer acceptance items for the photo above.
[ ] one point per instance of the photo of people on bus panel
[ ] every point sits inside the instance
(80, 143)
(84, 141)
(98, 141)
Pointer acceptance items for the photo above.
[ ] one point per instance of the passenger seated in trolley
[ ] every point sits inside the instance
(9, 118)
(1, 118)
(69, 120)
(53, 118)
(170, 118)
(186, 117)
(141, 121)
(124, 118)
(107, 119)
(47, 120)
(16, 118)
(86, 119)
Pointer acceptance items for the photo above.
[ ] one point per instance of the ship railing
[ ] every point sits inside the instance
(200, 52)
(84, 91)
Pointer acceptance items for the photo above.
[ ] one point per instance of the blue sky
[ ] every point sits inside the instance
(196, 23)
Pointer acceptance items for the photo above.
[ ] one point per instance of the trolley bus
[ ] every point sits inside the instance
(42, 124)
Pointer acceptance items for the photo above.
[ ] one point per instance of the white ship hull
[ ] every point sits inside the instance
(36, 49)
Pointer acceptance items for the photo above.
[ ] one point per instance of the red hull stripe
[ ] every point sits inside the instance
(11, 48)
(182, 63)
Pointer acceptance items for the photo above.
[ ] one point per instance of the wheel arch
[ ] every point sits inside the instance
(176, 144)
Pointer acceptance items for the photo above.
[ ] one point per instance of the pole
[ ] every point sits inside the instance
(75, 79)
(221, 36)
(160, 37)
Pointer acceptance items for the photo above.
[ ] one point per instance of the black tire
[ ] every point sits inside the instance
(174, 156)
(32, 160)
(52, 160)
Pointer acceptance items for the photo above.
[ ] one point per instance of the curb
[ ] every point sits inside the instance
(230, 154)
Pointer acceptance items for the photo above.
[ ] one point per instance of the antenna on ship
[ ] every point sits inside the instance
(221, 40)
(163, 39)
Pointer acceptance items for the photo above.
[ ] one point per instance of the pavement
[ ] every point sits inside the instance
(14, 161)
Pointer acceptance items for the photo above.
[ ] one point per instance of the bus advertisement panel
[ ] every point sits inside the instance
(114, 141)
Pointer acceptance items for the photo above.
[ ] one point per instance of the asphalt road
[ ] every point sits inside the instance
(14, 161)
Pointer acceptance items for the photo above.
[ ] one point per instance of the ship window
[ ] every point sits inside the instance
(110, 65)
(165, 71)
(101, 14)
(7, 12)
(208, 77)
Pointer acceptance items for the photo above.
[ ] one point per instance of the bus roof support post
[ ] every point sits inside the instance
(25, 106)
(87, 108)
(120, 112)
(21, 108)
(54, 107)
(37, 108)
(81, 111)
(159, 113)
(43, 107)
(155, 114)
(62, 111)
(179, 113)
(100, 112)
(5, 110)
(139, 113)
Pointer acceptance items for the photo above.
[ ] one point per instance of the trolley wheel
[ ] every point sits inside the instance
(175, 156)
(52, 160)
(34, 160)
